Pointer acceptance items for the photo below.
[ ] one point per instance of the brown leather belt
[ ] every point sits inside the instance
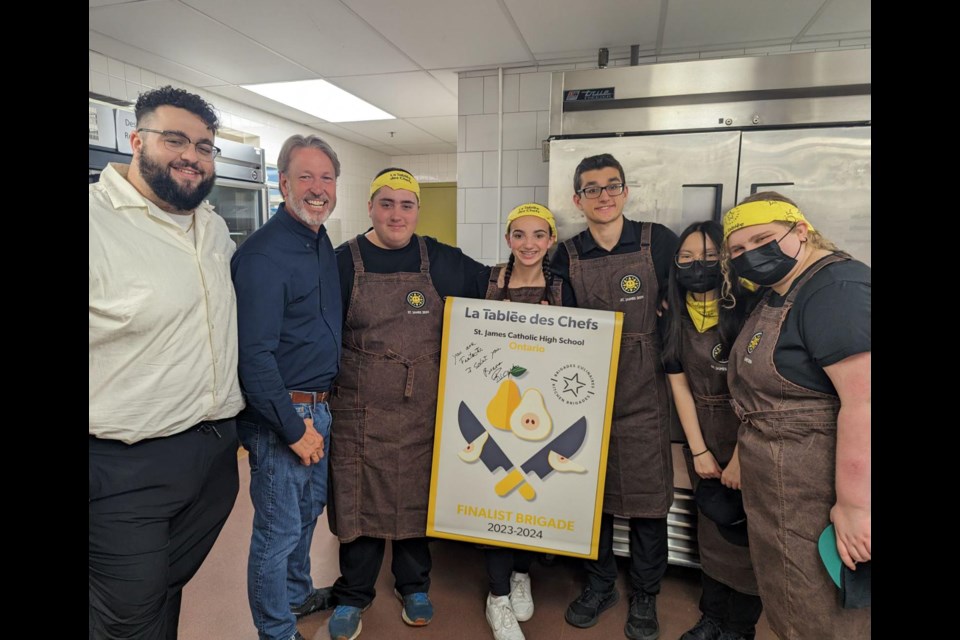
(309, 397)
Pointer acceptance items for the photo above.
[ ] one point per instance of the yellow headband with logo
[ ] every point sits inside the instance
(761, 212)
(536, 210)
(396, 180)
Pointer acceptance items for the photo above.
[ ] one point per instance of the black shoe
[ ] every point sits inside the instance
(706, 629)
(319, 600)
(297, 636)
(642, 623)
(731, 635)
(584, 611)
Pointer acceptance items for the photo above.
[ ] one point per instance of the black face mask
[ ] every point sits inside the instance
(699, 278)
(766, 265)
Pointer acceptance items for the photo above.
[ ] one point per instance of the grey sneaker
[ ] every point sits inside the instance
(642, 623)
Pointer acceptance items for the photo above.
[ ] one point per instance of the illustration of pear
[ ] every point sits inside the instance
(472, 451)
(530, 420)
(504, 401)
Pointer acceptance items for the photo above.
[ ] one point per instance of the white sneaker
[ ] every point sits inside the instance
(501, 619)
(521, 598)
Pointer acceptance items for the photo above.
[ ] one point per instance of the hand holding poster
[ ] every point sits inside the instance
(523, 420)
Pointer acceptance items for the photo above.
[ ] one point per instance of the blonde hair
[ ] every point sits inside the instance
(816, 239)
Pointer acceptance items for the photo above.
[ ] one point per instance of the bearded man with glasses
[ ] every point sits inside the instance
(163, 370)
(623, 265)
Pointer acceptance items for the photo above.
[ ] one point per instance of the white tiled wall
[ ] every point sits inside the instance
(433, 167)
(358, 164)
(482, 202)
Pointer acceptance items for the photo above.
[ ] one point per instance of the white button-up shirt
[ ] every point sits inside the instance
(163, 316)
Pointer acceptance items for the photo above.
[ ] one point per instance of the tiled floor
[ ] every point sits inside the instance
(215, 601)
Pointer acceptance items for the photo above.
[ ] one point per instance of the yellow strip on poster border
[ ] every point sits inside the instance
(605, 437)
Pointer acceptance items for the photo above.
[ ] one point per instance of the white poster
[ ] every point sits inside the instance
(523, 421)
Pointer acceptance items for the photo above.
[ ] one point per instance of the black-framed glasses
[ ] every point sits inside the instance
(711, 260)
(594, 192)
(178, 142)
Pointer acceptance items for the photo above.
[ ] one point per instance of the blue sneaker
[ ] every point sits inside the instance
(417, 608)
(345, 623)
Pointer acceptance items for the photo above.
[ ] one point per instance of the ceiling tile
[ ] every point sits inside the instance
(446, 35)
(845, 18)
(404, 95)
(443, 127)
(564, 30)
(391, 132)
(183, 35)
(133, 55)
(694, 24)
(321, 35)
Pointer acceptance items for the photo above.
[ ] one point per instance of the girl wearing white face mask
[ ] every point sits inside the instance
(799, 375)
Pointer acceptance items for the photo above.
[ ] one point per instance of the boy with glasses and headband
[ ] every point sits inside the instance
(622, 265)
(163, 370)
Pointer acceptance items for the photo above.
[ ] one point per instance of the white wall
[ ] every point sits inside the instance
(358, 164)
(523, 176)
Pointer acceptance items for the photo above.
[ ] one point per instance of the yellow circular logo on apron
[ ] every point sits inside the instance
(719, 354)
(754, 341)
(416, 299)
(630, 283)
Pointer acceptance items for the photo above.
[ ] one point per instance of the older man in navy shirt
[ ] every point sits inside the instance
(289, 323)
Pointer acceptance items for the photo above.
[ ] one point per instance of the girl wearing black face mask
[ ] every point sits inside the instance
(695, 359)
(799, 375)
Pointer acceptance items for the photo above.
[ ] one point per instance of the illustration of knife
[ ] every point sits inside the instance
(566, 444)
(491, 454)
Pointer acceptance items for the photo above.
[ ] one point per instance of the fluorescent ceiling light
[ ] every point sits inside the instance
(321, 99)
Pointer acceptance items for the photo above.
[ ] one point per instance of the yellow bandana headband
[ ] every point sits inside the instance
(761, 212)
(536, 210)
(396, 180)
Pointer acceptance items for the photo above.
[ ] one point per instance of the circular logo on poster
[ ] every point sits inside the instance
(719, 354)
(416, 299)
(630, 283)
(573, 384)
(754, 341)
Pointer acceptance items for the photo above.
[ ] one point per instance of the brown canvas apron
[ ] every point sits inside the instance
(788, 443)
(384, 404)
(639, 480)
(530, 295)
(705, 365)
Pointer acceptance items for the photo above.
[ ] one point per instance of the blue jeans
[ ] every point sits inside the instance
(287, 497)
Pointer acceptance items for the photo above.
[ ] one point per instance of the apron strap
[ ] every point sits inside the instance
(409, 364)
(355, 252)
(646, 230)
(424, 258)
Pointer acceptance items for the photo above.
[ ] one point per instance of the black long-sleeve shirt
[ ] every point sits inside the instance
(663, 247)
(289, 318)
(453, 273)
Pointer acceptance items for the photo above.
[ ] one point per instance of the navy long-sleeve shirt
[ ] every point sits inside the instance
(289, 318)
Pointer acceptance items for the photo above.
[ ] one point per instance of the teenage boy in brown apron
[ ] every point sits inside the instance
(799, 374)
(384, 402)
(622, 265)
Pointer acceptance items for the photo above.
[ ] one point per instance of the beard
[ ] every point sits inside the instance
(158, 178)
(298, 208)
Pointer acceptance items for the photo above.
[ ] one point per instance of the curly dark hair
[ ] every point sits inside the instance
(149, 101)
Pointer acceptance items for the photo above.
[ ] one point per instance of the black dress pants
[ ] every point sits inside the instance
(648, 555)
(733, 610)
(360, 562)
(156, 508)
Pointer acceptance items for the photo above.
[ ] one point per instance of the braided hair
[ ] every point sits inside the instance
(547, 277)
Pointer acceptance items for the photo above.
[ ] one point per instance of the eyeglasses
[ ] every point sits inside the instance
(594, 192)
(711, 260)
(178, 142)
